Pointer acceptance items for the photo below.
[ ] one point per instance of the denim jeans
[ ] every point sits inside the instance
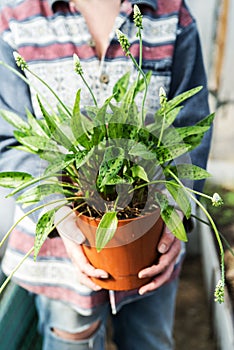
(145, 324)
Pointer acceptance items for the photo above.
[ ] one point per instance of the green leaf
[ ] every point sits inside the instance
(174, 223)
(171, 218)
(14, 120)
(127, 105)
(63, 115)
(106, 229)
(43, 229)
(140, 86)
(171, 110)
(161, 123)
(173, 135)
(170, 105)
(116, 130)
(59, 163)
(165, 154)
(189, 171)
(21, 137)
(195, 140)
(180, 196)
(56, 130)
(91, 111)
(28, 183)
(13, 179)
(121, 86)
(24, 149)
(39, 143)
(112, 163)
(82, 157)
(77, 125)
(50, 156)
(207, 121)
(117, 180)
(101, 117)
(36, 194)
(133, 116)
(140, 150)
(36, 125)
(139, 172)
(98, 135)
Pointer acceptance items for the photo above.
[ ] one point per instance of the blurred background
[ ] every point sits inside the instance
(209, 326)
(216, 25)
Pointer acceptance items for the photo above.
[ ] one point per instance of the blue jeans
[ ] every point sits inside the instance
(145, 324)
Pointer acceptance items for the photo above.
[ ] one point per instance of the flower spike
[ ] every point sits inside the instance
(77, 64)
(137, 17)
(219, 292)
(217, 200)
(162, 96)
(123, 40)
(19, 60)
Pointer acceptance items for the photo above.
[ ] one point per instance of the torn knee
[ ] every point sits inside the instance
(86, 334)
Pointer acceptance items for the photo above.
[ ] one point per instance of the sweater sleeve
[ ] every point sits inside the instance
(15, 97)
(188, 72)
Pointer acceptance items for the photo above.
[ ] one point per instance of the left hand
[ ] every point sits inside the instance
(169, 247)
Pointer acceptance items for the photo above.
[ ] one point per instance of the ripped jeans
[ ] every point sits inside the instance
(145, 324)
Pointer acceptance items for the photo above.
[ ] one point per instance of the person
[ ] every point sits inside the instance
(73, 310)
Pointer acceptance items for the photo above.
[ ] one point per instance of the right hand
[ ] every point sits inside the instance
(72, 238)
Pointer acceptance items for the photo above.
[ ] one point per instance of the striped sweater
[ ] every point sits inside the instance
(47, 34)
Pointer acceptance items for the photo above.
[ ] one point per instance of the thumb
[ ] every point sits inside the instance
(65, 222)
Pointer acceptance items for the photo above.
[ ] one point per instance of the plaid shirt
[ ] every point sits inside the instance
(47, 34)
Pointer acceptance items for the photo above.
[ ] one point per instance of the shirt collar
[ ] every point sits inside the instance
(152, 3)
(52, 2)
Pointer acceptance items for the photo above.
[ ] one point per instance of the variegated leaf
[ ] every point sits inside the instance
(189, 171)
(43, 229)
(106, 229)
(14, 179)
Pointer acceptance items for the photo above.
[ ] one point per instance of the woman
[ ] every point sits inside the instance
(72, 308)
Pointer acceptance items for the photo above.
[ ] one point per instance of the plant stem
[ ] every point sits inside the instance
(90, 90)
(66, 200)
(210, 220)
(162, 129)
(22, 77)
(146, 85)
(51, 90)
(31, 182)
(7, 280)
(220, 233)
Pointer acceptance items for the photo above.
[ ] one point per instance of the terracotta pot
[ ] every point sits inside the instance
(133, 247)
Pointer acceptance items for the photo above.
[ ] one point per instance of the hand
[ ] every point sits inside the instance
(169, 247)
(72, 238)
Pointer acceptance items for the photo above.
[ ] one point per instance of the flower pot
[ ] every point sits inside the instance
(133, 247)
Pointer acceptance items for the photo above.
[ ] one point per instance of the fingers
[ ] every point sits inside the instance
(158, 281)
(84, 269)
(65, 221)
(161, 272)
(166, 240)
